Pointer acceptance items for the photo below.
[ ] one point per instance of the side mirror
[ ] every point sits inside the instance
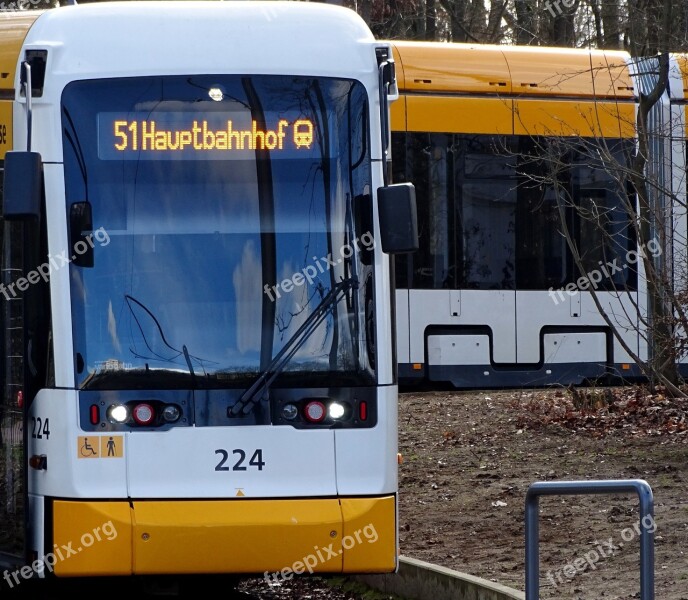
(22, 190)
(398, 218)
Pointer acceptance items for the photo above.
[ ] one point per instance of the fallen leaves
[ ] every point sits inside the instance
(466, 476)
(599, 412)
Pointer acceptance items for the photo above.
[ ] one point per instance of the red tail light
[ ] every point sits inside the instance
(143, 414)
(363, 410)
(20, 398)
(315, 411)
(95, 414)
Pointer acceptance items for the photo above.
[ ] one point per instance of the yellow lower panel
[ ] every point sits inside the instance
(370, 534)
(226, 536)
(241, 536)
(91, 538)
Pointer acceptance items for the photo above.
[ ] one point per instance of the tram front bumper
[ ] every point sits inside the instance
(337, 535)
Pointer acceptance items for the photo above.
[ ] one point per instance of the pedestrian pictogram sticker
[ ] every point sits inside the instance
(111, 446)
(103, 446)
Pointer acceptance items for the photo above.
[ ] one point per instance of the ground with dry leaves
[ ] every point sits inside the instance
(469, 458)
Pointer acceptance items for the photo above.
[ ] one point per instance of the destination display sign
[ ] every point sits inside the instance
(194, 136)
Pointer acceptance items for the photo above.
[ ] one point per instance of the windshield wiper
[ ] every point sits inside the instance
(156, 356)
(255, 393)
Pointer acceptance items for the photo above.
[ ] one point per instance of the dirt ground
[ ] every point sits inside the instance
(469, 458)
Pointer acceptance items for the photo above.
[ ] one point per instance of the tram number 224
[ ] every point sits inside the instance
(40, 428)
(256, 461)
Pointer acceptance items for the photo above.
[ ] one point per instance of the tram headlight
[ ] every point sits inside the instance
(171, 413)
(290, 412)
(336, 410)
(118, 413)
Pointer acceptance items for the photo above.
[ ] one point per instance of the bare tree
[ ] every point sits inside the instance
(639, 26)
(643, 191)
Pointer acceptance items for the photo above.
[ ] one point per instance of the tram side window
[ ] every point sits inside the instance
(604, 238)
(428, 166)
(543, 259)
(563, 181)
(486, 211)
(492, 210)
(466, 207)
(604, 233)
(466, 201)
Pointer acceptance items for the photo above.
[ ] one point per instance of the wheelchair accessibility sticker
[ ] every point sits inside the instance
(105, 446)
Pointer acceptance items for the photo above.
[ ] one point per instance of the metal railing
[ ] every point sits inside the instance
(570, 488)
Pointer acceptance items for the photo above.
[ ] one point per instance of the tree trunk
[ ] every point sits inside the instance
(525, 22)
(430, 20)
(610, 23)
(662, 343)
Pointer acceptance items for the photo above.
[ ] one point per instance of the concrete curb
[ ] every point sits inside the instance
(418, 580)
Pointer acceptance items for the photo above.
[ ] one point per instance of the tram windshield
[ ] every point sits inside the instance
(209, 217)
